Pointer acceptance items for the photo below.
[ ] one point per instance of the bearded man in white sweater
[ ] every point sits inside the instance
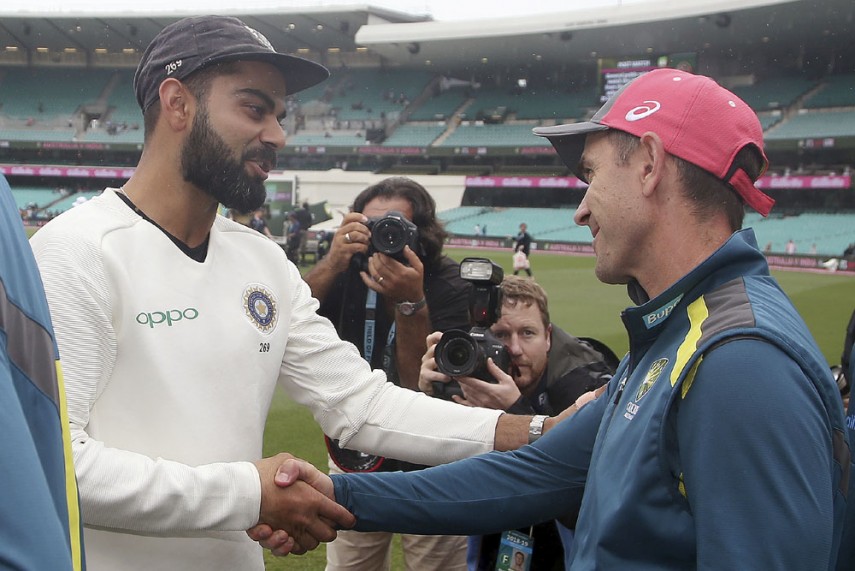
(175, 325)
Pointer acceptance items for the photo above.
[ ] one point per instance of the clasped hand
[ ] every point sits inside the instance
(298, 508)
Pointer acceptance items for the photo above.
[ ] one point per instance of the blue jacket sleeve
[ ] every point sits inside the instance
(484, 494)
(756, 457)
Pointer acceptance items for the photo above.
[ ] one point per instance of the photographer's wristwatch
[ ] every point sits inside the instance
(410, 307)
(535, 428)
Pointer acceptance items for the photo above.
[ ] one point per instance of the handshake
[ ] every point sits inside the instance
(298, 507)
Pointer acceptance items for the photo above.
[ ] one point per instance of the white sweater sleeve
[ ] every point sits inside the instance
(356, 405)
(119, 489)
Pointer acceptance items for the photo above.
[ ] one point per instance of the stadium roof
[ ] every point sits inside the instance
(113, 29)
(656, 27)
(774, 28)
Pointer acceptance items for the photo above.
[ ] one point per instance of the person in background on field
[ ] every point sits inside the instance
(304, 217)
(258, 223)
(790, 248)
(292, 237)
(520, 261)
(523, 240)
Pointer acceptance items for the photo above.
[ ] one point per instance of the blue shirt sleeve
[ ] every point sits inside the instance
(484, 494)
(755, 451)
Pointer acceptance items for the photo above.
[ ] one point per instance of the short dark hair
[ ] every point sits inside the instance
(431, 231)
(707, 192)
(198, 84)
(518, 290)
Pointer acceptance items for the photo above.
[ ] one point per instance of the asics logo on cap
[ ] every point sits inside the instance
(642, 111)
(260, 38)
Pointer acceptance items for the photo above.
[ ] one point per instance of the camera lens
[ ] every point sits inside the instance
(456, 354)
(388, 236)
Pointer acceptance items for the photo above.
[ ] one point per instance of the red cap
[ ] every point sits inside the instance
(697, 120)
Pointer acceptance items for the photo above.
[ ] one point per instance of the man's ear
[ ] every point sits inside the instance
(548, 337)
(176, 104)
(653, 162)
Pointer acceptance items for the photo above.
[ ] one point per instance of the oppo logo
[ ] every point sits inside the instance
(642, 111)
(168, 317)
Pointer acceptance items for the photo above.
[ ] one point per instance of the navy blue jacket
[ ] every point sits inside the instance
(39, 509)
(719, 444)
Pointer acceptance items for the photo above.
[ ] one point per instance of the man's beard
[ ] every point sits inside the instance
(207, 163)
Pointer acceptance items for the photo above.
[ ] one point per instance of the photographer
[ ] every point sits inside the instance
(550, 369)
(386, 305)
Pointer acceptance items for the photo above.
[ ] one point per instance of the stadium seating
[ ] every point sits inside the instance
(477, 134)
(774, 93)
(59, 134)
(415, 134)
(50, 94)
(835, 91)
(330, 138)
(815, 124)
(769, 118)
(545, 223)
(67, 202)
(41, 197)
(830, 232)
(367, 94)
(441, 106)
(123, 106)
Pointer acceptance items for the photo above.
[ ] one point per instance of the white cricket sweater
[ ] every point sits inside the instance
(170, 366)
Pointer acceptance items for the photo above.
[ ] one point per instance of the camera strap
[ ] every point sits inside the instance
(353, 460)
(370, 335)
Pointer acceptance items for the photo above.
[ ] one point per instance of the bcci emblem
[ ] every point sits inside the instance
(652, 374)
(260, 307)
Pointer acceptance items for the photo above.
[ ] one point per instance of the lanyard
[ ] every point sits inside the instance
(371, 326)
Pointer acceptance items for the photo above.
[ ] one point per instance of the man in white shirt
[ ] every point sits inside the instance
(175, 325)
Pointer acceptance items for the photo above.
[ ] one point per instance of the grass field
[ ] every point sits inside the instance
(585, 307)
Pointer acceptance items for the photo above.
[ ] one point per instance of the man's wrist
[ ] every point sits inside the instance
(408, 308)
(535, 427)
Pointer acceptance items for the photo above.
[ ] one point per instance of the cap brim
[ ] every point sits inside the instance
(299, 73)
(569, 140)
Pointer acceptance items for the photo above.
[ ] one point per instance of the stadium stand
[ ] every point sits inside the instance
(441, 106)
(328, 138)
(774, 93)
(35, 134)
(415, 134)
(28, 197)
(835, 91)
(363, 95)
(474, 134)
(815, 124)
(829, 233)
(24, 93)
(398, 114)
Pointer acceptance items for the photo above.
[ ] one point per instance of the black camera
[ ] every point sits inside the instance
(390, 234)
(464, 354)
